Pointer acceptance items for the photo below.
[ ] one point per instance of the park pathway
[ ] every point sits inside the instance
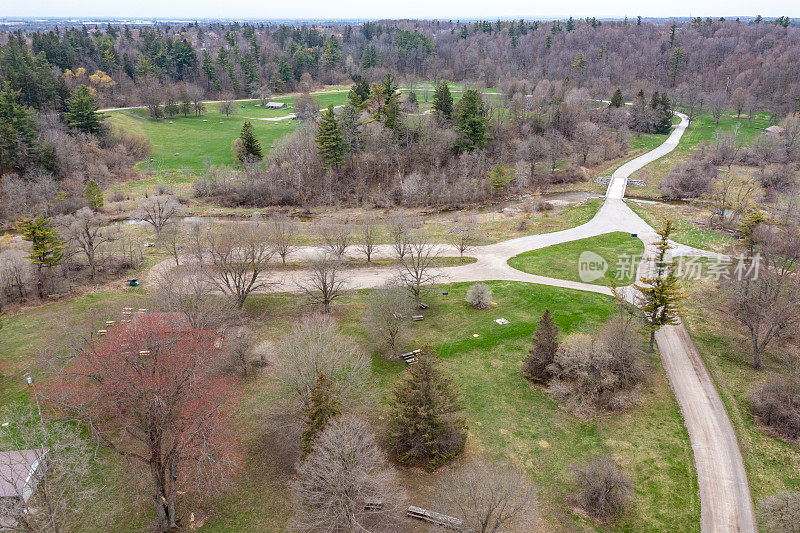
(725, 502)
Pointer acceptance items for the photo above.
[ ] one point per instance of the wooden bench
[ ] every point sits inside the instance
(450, 522)
(417, 318)
(411, 357)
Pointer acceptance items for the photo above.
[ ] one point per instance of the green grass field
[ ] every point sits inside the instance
(700, 131)
(207, 139)
(561, 260)
(686, 231)
(509, 419)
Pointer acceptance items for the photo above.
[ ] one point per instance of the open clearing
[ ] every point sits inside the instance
(561, 260)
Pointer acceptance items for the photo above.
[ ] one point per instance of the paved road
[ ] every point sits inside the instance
(726, 505)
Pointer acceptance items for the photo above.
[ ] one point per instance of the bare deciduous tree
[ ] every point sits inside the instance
(158, 211)
(464, 237)
(369, 239)
(306, 107)
(195, 94)
(86, 230)
(283, 232)
(239, 347)
(416, 270)
(264, 93)
(489, 498)
(171, 240)
(315, 346)
(324, 283)
(336, 238)
(346, 482)
(532, 150)
(190, 290)
(239, 258)
(399, 234)
(763, 293)
(587, 137)
(62, 492)
(388, 310)
(716, 102)
(227, 106)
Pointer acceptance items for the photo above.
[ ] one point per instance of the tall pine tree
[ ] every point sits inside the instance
(543, 351)
(329, 139)
(93, 195)
(322, 409)
(251, 148)
(659, 293)
(81, 111)
(443, 100)
(471, 121)
(616, 100)
(427, 426)
(47, 248)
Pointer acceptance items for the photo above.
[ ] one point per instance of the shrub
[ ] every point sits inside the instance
(691, 179)
(544, 349)
(777, 405)
(604, 489)
(600, 371)
(479, 296)
(781, 513)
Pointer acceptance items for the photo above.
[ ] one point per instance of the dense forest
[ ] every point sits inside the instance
(752, 60)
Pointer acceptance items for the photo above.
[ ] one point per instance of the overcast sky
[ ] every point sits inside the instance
(442, 9)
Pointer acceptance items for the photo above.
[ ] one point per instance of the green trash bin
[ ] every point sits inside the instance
(133, 282)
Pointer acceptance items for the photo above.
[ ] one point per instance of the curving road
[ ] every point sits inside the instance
(726, 505)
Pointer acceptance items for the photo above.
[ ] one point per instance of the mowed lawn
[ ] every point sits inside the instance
(509, 419)
(192, 142)
(621, 252)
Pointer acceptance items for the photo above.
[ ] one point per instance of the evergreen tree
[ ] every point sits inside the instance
(659, 294)
(331, 53)
(46, 245)
(329, 139)
(93, 195)
(391, 113)
(389, 87)
(359, 93)
(322, 409)
(81, 111)
(616, 100)
(443, 100)
(543, 351)
(17, 130)
(426, 427)
(369, 58)
(471, 121)
(251, 148)
(663, 115)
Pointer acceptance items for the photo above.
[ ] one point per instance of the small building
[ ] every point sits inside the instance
(275, 105)
(20, 472)
(774, 131)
